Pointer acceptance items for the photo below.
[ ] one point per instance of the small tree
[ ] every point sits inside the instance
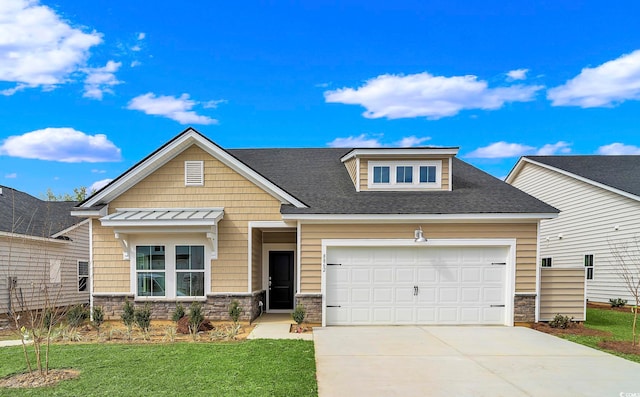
(196, 318)
(178, 313)
(76, 316)
(128, 316)
(298, 316)
(235, 310)
(143, 318)
(626, 256)
(98, 317)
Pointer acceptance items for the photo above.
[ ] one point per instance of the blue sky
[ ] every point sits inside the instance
(88, 88)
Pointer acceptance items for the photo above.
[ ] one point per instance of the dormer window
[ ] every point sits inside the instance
(398, 174)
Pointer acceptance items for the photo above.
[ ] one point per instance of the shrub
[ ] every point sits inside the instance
(170, 333)
(560, 321)
(48, 320)
(178, 313)
(77, 315)
(618, 302)
(235, 311)
(143, 318)
(128, 315)
(98, 317)
(299, 314)
(195, 318)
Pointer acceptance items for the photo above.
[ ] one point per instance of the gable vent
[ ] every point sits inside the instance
(193, 173)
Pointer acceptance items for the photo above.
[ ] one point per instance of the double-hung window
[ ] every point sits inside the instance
(190, 270)
(83, 276)
(151, 270)
(588, 263)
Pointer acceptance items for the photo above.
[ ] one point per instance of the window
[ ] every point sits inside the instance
(588, 263)
(404, 174)
(546, 262)
(190, 270)
(83, 276)
(150, 269)
(428, 174)
(194, 173)
(380, 174)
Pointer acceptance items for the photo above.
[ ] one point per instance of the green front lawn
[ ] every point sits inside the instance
(615, 322)
(250, 368)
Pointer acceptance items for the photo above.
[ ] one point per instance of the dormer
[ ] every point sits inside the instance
(400, 169)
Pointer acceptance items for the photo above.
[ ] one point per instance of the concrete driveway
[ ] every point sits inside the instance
(464, 361)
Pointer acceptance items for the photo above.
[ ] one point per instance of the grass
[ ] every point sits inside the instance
(250, 368)
(615, 322)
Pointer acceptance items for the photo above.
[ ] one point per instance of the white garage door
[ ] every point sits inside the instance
(411, 285)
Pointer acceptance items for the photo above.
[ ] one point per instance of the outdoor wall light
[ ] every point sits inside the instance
(419, 235)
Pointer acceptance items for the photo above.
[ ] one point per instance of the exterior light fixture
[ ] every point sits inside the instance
(419, 235)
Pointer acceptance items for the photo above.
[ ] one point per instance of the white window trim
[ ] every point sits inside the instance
(169, 242)
(187, 175)
(87, 276)
(415, 185)
(542, 261)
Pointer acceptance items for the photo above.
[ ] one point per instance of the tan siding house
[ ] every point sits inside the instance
(361, 236)
(45, 254)
(599, 212)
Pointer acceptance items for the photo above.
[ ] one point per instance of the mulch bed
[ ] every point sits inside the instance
(575, 329)
(305, 328)
(620, 346)
(36, 380)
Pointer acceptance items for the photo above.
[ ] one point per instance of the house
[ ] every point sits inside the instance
(356, 236)
(44, 253)
(599, 200)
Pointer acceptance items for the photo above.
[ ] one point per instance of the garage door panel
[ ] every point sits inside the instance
(377, 285)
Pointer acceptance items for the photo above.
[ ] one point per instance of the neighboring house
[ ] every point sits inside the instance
(336, 230)
(599, 202)
(44, 253)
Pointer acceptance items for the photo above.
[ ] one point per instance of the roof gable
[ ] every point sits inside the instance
(618, 174)
(169, 151)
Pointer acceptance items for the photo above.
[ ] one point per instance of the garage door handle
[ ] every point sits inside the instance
(334, 306)
(496, 306)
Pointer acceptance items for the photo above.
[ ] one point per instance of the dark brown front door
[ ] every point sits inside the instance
(280, 280)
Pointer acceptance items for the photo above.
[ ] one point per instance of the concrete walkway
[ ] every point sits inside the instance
(464, 361)
(4, 343)
(276, 326)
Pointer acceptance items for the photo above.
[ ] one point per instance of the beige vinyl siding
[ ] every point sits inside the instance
(256, 260)
(364, 169)
(29, 259)
(524, 233)
(351, 165)
(279, 237)
(587, 222)
(223, 187)
(562, 292)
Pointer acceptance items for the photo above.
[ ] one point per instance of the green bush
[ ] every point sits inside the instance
(77, 315)
(128, 314)
(143, 318)
(560, 321)
(98, 317)
(618, 302)
(235, 311)
(299, 314)
(196, 318)
(178, 313)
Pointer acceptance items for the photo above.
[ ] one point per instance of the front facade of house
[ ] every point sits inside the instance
(599, 200)
(335, 230)
(45, 254)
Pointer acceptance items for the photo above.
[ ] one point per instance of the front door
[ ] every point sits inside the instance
(281, 280)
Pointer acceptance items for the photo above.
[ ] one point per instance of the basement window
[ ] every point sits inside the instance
(194, 173)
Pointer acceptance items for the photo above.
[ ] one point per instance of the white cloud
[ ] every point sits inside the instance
(554, 148)
(410, 141)
(142, 35)
(136, 48)
(505, 149)
(618, 149)
(425, 95)
(97, 185)
(61, 144)
(501, 150)
(100, 80)
(517, 74)
(96, 171)
(37, 48)
(355, 141)
(12, 175)
(213, 104)
(135, 63)
(178, 109)
(606, 85)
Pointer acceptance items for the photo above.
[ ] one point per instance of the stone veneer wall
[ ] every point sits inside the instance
(313, 305)
(524, 308)
(216, 307)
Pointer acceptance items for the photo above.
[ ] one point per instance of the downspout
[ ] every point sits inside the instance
(91, 269)
(538, 274)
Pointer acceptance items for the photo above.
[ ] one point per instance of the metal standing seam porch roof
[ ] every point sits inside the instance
(164, 217)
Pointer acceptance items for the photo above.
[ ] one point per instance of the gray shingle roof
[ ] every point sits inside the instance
(620, 172)
(24, 214)
(318, 178)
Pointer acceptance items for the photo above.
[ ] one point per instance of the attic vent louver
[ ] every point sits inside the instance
(193, 173)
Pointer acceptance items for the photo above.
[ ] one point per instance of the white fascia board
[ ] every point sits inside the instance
(91, 214)
(371, 218)
(591, 182)
(18, 236)
(399, 152)
(70, 228)
(170, 151)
